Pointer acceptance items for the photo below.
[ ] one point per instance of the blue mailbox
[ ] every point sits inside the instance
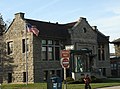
(55, 83)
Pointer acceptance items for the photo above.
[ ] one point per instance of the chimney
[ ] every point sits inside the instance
(94, 28)
(19, 15)
(82, 18)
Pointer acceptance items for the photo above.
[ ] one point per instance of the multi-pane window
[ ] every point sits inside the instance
(10, 47)
(114, 66)
(50, 53)
(25, 45)
(50, 50)
(50, 42)
(44, 53)
(101, 53)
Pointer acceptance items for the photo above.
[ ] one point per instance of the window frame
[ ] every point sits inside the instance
(24, 45)
(10, 45)
(101, 52)
(50, 44)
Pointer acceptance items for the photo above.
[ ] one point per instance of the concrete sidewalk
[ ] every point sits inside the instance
(114, 87)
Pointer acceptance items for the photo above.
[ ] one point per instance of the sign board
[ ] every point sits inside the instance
(65, 62)
(69, 47)
(65, 53)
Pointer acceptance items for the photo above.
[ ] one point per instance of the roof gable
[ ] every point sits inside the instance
(101, 38)
(83, 30)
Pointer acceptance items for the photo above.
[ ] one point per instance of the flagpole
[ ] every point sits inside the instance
(26, 55)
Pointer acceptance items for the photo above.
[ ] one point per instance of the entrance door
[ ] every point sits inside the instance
(9, 77)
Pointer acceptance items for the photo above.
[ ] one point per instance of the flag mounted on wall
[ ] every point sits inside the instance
(33, 29)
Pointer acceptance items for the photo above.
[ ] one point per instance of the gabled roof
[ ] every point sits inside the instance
(52, 29)
(101, 38)
(116, 41)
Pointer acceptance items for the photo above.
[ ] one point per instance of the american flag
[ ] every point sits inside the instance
(33, 29)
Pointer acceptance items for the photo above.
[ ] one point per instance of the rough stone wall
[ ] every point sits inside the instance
(83, 39)
(16, 33)
(88, 40)
(39, 65)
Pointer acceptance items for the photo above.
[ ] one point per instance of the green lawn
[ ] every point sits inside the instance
(44, 85)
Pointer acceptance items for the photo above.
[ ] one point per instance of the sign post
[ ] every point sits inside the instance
(65, 62)
(65, 55)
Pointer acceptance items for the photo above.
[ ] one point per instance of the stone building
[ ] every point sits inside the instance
(115, 61)
(117, 46)
(38, 57)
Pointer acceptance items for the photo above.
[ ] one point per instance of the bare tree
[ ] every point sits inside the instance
(6, 61)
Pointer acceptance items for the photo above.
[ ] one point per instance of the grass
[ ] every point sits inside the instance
(69, 86)
(93, 85)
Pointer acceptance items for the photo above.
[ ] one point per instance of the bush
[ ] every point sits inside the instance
(68, 79)
(97, 80)
(81, 80)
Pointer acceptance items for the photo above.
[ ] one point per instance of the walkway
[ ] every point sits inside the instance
(114, 87)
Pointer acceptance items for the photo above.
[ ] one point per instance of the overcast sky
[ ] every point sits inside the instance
(105, 14)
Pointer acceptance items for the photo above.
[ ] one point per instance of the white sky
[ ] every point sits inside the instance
(105, 14)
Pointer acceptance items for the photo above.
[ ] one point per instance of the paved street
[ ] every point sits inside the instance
(115, 87)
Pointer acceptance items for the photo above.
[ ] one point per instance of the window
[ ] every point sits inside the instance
(44, 42)
(104, 71)
(56, 42)
(44, 53)
(50, 42)
(24, 76)
(23, 45)
(45, 75)
(57, 53)
(10, 47)
(58, 73)
(84, 30)
(101, 53)
(114, 66)
(9, 77)
(52, 72)
(50, 50)
(50, 53)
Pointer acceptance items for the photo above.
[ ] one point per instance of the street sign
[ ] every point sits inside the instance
(65, 53)
(65, 62)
